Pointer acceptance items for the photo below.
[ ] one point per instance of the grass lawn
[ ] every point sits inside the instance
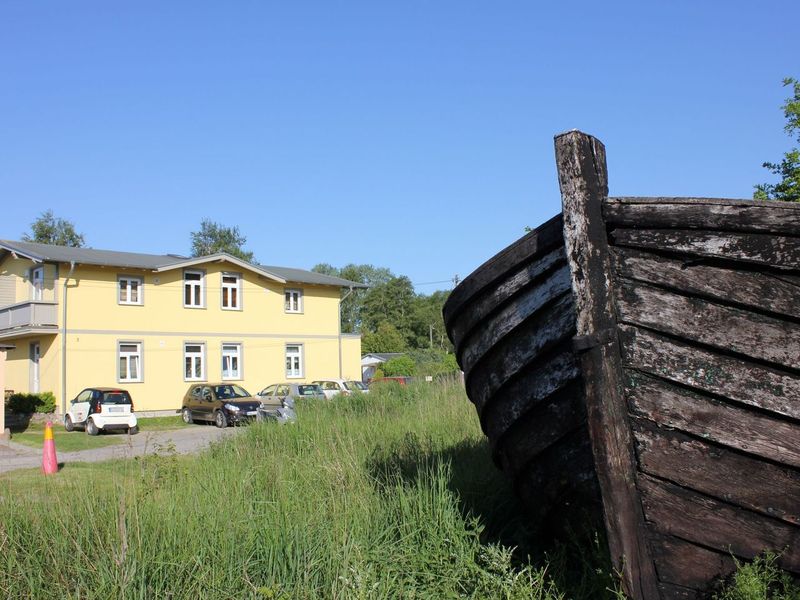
(391, 495)
(33, 434)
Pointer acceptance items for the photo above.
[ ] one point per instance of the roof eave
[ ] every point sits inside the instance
(16, 253)
(219, 257)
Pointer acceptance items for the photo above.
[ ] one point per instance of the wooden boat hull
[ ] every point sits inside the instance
(642, 356)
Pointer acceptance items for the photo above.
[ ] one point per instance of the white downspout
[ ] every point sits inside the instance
(342, 299)
(64, 342)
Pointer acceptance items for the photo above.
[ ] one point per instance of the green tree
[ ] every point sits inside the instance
(49, 229)
(391, 301)
(385, 338)
(788, 188)
(353, 304)
(427, 322)
(215, 237)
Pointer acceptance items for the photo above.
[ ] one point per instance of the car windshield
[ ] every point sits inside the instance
(309, 390)
(226, 392)
(355, 385)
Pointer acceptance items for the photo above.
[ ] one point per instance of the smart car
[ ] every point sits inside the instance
(101, 408)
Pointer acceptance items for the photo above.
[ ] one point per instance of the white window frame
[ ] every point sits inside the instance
(193, 356)
(293, 372)
(140, 289)
(127, 356)
(231, 287)
(37, 291)
(294, 303)
(232, 351)
(194, 283)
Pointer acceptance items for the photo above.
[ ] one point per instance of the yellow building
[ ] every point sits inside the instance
(155, 324)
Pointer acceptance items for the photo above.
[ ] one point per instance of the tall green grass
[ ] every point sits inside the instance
(387, 495)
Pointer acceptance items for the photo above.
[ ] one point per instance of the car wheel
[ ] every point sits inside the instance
(186, 415)
(68, 424)
(133, 430)
(91, 428)
(220, 420)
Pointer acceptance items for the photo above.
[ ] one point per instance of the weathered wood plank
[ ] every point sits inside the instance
(687, 565)
(536, 384)
(723, 327)
(494, 296)
(497, 326)
(539, 428)
(720, 473)
(535, 337)
(669, 591)
(704, 213)
(750, 432)
(675, 511)
(583, 181)
(540, 241)
(754, 289)
(779, 252)
(560, 482)
(736, 379)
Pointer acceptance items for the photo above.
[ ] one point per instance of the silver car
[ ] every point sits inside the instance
(286, 393)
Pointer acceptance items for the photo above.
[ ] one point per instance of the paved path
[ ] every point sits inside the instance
(185, 441)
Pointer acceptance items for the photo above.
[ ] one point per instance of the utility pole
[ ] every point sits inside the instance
(455, 281)
(430, 334)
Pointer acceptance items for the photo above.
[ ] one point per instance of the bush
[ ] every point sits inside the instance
(402, 365)
(43, 402)
(434, 362)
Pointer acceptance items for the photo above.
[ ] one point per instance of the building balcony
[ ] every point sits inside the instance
(33, 316)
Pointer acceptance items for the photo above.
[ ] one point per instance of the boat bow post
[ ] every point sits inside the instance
(583, 179)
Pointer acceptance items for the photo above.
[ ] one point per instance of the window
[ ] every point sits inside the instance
(193, 293)
(231, 361)
(231, 291)
(37, 281)
(294, 360)
(130, 290)
(130, 361)
(294, 301)
(194, 362)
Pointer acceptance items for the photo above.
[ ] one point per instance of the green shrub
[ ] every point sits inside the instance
(434, 362)
(761, 579)
(402, 365)
(43, 402)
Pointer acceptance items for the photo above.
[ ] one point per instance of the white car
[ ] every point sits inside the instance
(332, 387)
(100, 408)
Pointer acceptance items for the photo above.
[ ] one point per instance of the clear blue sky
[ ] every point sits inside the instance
(411, 135)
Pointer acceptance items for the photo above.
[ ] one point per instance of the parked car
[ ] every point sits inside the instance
(331, 387)
(399, 380)
(289, 392)
(101, 409)
(221, 403)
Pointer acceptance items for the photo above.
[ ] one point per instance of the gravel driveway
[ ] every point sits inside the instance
(185, 440)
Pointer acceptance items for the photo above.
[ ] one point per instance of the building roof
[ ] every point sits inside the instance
(160, 262)
(381, 356)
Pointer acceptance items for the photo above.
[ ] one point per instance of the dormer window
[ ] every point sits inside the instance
(130, 290)
(293, 301)
(231, 291)
(193, 289)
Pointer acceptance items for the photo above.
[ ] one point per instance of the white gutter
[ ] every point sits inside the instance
(342, 299)
(64, 343)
